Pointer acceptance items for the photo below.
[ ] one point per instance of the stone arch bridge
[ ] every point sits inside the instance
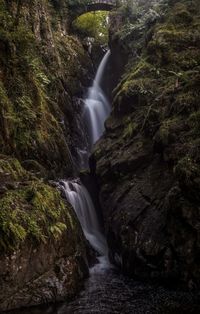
(97, 5)
(100, 5)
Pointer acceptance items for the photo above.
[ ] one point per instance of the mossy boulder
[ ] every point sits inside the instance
(35, 211)
(42, 247)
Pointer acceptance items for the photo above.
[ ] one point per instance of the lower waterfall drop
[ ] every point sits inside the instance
(79, 198)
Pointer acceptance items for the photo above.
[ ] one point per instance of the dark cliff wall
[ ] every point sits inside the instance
(147, 163)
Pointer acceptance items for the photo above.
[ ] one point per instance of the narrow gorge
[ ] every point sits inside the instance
(99, 156)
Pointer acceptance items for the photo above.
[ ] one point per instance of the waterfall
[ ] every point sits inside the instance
(96, 110)
(97, 107)
(79, 198)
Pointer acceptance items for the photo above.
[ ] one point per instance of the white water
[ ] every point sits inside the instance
(79, 198)
(97, 107)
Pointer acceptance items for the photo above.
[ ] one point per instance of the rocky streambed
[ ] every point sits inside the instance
(106, 291)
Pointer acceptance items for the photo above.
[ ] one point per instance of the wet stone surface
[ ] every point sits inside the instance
(107, 292)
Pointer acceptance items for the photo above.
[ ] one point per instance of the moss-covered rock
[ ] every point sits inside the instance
(42, 247)
(42, 68)
(35, 211)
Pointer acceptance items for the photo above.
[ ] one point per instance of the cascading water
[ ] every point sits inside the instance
(79, 198)
(96, 110)
(97, 107)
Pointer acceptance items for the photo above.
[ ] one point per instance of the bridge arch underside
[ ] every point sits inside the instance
(96, 7)
(99, 7)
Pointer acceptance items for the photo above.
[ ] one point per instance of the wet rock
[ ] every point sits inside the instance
(43, 274)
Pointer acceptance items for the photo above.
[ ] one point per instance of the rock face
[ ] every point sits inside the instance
(42, 248)
(39, 274)
(147, 163)
(43, 71)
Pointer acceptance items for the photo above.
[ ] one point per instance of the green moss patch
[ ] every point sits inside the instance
(40, 72)
(35, 212)
(12, 168)
(158, 96)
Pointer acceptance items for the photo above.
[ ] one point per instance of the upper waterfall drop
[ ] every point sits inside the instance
(101, 69)
(97, 106)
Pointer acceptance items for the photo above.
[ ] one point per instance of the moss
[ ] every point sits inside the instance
(138, 89)
(35, 168)
(167, 131)
(130, 129)
(7, 118)
(35, 212)
(181, 15)
(186, 102)
(164, 73)
(194, 121)
(140, 80)
(187, 170)
(12, 168)
(159, 90)
(39, 75)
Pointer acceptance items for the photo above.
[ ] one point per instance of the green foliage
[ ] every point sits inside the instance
(58, 229)
(93, 25)
(35, 212)
(41, 78)
(33, 67)
(12, 168)
(14, 32)
(159, 91)
(137, 17)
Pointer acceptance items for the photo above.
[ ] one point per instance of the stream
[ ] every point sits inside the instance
(107, 291)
